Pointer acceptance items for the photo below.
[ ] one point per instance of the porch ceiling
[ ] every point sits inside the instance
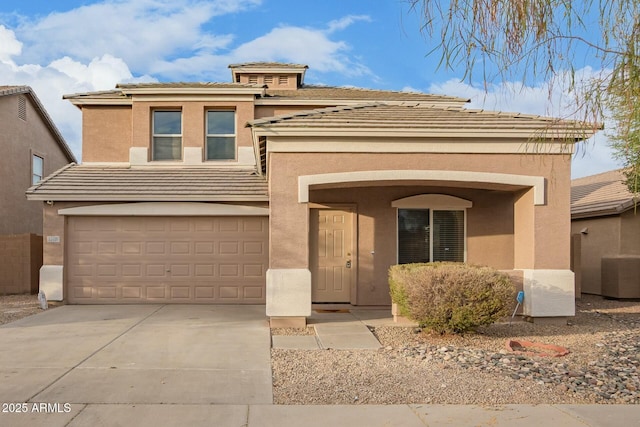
(432, 178)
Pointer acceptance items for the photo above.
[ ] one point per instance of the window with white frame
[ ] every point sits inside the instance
(37, 169)
(221, 135)
(431, 227)
(167, 135)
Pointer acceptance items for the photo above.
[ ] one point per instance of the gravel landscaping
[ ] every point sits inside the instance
(14, 307)
(416, 367)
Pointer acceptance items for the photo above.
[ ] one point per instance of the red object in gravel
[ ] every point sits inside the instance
(536, 349)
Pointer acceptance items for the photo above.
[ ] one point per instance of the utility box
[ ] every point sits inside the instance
(621, 276)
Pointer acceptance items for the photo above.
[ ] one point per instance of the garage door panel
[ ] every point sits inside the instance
(137, 260)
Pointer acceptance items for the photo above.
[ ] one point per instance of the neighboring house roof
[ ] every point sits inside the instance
(600, 195)
(422, 119)
(152, 183)
(26, 90)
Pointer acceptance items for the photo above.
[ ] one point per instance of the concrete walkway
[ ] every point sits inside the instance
(337, 330)
(127, 354)
(144, 415)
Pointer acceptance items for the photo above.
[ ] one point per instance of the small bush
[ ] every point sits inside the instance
(450, 297)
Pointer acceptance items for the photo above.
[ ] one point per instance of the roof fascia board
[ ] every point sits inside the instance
(414, 145)
(333, 102)
(165, 209)
(87, 197)
(157, 91)
(226, 97)
(391, 132)
(99, 101)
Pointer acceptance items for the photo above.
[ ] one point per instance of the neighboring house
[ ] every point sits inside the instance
(605, 228)
(31, 147)
(267, 190)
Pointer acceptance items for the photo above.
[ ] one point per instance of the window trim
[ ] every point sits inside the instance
(432, 202)
(221, 135)
(41, 157)
(167, 135)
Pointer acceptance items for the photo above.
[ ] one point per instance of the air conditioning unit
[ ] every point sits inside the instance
(620, 276)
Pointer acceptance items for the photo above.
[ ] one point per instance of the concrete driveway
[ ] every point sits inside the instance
(133, 354)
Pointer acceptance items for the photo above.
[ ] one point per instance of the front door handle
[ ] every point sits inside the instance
(348, 265)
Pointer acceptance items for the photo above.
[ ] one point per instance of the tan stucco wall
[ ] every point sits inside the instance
(193, 121)
(630, 233)
(489, 225)
(20, 139)
(106, 133)
(602, 239)
(607, 236)
(550, 250)
(271, 110)
(20, 261)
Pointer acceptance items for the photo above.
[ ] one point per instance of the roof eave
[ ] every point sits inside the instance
(194, 91)
(527, 134)
(56, 197)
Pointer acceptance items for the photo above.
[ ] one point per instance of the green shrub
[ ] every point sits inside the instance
(450, 297)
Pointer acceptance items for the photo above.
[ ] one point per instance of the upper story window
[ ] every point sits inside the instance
(167, 135)
(37, 169)
(221, 135)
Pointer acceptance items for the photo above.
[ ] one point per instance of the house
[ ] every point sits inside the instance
(605, 229)
(266, 190)
(31, 147)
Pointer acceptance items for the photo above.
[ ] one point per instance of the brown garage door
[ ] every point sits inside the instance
(166, 259)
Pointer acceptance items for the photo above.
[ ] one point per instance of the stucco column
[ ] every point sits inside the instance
(542, 252)
(288, 277)
(51, 272)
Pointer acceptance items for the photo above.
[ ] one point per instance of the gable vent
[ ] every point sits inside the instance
(22, 107)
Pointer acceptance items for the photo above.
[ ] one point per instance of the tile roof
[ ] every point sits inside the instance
(190, 85)
(353, 93)
(599, 195)
(268, 65)
(150, 183)
(305, 92)
(27, 90)
(424, 117)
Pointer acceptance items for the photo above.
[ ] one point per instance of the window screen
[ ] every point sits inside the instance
(221, 135)
(167, 135)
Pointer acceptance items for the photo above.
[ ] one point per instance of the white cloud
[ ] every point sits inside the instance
(140, 32)
(9, 45)
(342, 23)
(94, 47)
(302, 45)
(62, 76)
(592, 156)
(309, 46)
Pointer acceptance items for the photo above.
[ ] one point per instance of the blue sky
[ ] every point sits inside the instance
(71, 46)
